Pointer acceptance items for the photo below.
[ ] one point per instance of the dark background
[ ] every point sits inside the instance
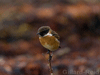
(76, 21)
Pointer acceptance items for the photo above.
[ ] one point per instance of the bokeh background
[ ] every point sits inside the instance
(76, 21)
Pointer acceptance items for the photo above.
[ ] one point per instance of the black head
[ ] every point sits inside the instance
(43, 30)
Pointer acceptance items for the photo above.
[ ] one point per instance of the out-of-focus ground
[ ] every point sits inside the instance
(76, 21)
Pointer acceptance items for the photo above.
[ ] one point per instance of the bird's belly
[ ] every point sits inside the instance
(50, 42)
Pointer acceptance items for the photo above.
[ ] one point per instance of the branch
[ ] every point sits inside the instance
(50, 57)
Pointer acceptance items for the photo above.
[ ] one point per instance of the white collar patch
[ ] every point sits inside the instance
(48, 34)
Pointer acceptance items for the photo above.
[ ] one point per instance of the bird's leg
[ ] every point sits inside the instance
(48, 52)
(50, 55)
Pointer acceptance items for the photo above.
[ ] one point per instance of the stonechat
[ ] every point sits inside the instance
(48, 38)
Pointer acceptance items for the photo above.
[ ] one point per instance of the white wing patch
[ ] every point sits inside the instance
(57, 40)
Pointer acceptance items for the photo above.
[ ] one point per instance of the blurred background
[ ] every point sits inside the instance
(76, 21)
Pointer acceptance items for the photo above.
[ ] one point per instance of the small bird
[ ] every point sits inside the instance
(48, 38)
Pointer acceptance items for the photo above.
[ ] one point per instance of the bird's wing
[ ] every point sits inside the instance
(55, 34)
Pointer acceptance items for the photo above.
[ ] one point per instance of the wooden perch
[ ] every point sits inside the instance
(50, 58)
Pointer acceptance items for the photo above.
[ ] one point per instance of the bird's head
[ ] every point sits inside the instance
(43, 30)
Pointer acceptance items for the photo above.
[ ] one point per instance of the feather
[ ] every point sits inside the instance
(55, 34)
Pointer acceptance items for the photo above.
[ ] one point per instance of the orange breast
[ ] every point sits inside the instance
(49, 42)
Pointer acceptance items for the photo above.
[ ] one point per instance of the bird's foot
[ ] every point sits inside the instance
(48, 52)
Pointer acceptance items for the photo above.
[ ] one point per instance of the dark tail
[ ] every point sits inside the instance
(59, 46)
